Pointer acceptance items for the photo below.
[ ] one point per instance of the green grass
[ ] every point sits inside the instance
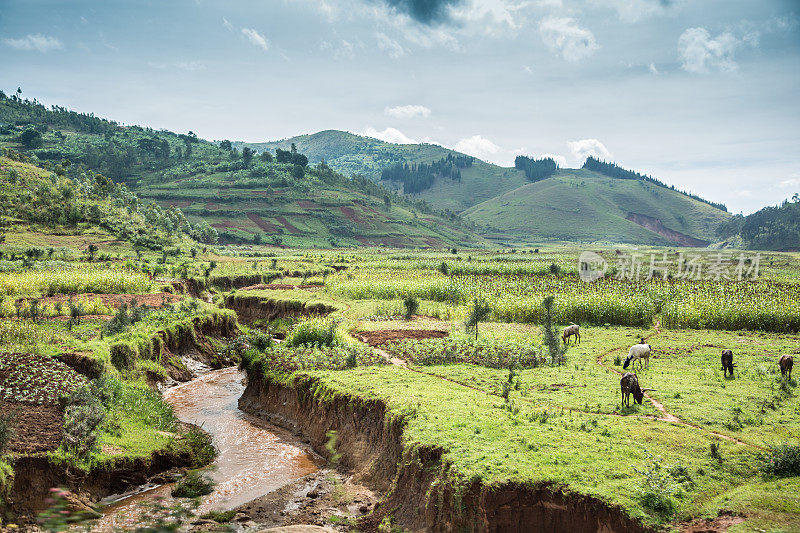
(565, 424)
(580, 205)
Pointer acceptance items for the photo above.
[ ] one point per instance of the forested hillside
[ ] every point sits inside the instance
(772, 228)
(272, 198)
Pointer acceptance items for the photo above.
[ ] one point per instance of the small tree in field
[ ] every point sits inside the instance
(91, 250)
(551, 340)
(480, 312)
(412, 306)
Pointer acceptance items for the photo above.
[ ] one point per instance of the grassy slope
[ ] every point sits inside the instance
(300, 213)
(503, 200)
(306, 216)
(583, 205)
(594, 452)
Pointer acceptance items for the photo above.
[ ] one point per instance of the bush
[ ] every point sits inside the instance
(221, 517)
(411, 305)
(192, 485)
(83, 415)
(123, 356)
(781, 461)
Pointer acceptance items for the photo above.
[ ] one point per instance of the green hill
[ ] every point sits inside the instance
(246, 199)
(581, 205)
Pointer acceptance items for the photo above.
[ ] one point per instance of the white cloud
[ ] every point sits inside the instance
(389, 135)
(585, 147)
(792, 181)
(341, 50)
(635, 10)
(390, 46)
(40, 43)
(491, 16)
(227, 24)
(256, 38)
(479, 147)
(408, 111)
(559, 159)
(182, 65)
(652, 68)
(564, 37)
(700, 53)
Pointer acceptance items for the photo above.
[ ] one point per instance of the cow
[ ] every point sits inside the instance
(786, 362)
(629, 384)
(727, 362)
(570, 331)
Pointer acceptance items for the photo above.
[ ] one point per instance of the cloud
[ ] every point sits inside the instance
(389, 135)
(792, 181)
(652, 68)
(636, 10)
(227, 24)
(492, 16)
(408, 111)
(39, 43)
(429, 12)
(585, 147)
(564, 37)
(255, 38)
(701, 53)
(479, 147)
(390, 46)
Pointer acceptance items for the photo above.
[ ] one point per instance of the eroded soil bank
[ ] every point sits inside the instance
(414, 480)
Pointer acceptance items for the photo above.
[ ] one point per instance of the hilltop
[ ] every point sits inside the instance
(279, 200)
(571, 205)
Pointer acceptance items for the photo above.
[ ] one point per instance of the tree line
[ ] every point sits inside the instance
(536, 169)
(615, 171)
(417, 177)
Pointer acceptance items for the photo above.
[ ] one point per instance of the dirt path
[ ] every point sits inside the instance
(665, 416)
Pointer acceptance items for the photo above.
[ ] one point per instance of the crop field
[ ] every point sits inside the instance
(493, 396)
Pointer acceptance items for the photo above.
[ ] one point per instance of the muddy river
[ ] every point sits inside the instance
(254, 458)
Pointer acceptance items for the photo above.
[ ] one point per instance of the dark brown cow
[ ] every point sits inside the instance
(629, 384)
(786, 362)
(727, 363)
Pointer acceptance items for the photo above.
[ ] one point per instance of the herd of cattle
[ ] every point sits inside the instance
(629, 384)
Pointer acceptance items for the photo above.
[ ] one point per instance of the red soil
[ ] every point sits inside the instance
(37, 428)
(269, 227)
(351, 215)
(377, 338)
(113, 300)
(223, 225)
(305, 204)
(287, 225)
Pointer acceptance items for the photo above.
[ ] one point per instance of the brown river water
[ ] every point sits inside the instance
(254, 458)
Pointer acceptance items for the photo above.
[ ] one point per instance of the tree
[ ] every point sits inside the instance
(551, 339)
(298, 172)
(247, 155)
(30, 138)
(266, 156)
(480, 312)
(91, 250)
(387, 202)
(225, 145)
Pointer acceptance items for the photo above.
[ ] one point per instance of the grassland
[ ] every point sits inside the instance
(499, 407)
(585, 206)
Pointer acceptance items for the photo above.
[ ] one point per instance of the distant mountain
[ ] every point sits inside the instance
(246, 199)
(572, 205)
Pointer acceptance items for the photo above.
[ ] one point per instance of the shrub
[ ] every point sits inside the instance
(123, 356)
(781, 461)
(657, 486)
(221, 517)
(411, 305)
(551, 339)
(82, 416)
(192, 485)
(480, 311)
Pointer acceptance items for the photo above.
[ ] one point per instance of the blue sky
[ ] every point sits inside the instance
(702, 94)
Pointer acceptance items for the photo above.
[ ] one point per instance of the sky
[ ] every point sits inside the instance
(702, 94)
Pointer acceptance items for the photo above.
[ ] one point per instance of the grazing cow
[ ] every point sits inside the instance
(570, 331)
(727, 363)
(637, 353)
(629, 384)
(786, 362)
